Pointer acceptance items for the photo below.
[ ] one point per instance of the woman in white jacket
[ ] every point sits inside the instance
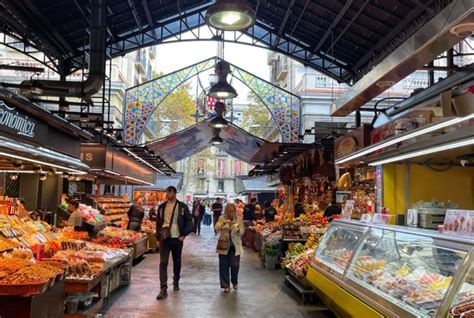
(229, 247)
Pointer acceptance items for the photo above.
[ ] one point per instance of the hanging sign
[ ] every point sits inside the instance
(17, 123)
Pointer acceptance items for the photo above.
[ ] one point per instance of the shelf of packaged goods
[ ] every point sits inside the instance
(116, 217)
(115, 205)
(116, 212)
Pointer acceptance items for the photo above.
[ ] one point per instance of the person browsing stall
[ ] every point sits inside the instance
(174, 222)
(269, 212)
(136, 213)
(75, 219)
(229, 247)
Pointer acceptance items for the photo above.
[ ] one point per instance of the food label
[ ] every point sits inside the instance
(460, 222)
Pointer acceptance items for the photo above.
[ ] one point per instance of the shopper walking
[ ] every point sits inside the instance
(174, 222)
(136, 213)
(198, 213)
(229, 247)
(217, 212)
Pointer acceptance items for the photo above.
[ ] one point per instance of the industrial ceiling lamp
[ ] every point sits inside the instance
(219, 121)
(231, 15)
(216, 140)
(222, 89)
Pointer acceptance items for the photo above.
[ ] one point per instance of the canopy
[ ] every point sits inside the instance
(238, 143)
(253, 185)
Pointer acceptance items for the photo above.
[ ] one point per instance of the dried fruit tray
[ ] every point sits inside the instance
(24, 290)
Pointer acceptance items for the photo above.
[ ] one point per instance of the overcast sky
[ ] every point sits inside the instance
(174, 56)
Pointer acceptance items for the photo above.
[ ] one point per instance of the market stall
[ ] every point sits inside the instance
(374, 270)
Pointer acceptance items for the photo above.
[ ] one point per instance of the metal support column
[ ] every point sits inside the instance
(358, 119)
(431, 78)
(450, 61)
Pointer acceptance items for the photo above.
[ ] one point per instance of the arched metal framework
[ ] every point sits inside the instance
(142, 100)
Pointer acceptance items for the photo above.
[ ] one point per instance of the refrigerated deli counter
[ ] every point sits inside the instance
(370, 270)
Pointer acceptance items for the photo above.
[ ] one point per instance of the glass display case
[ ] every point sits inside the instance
(400, 271)
(338, 245)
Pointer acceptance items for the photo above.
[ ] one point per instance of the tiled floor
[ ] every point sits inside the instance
(261, 291)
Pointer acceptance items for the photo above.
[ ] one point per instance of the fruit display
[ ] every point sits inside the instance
(148, 227)
(91, 215)
(300, 264)
(116, 237)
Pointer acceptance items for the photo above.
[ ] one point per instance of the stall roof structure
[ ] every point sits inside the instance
(343, 39)
(244, 185)
(237, 143)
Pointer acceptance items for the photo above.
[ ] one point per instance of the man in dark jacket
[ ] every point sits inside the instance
(135, 216)
(174, 222)
(249, 210)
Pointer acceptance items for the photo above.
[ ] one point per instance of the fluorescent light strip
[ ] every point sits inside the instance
(413, 134)
(42, 163)
(145, 162)
(448, 146)
(18, 171)
(106, 171)
(138, 180)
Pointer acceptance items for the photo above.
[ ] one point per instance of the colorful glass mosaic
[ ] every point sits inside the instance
(142, 100)
(284, 106)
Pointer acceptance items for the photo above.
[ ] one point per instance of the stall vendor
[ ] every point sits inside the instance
(75, 220)
(135, 214)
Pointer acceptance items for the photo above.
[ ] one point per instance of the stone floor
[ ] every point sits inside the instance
(261, 292)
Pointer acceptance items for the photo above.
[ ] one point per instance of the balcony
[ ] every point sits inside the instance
(281, 69)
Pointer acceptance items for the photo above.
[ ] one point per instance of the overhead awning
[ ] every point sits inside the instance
(13, 149)
(163, 181)
(259, 184)
(238, 143)
(112, 166)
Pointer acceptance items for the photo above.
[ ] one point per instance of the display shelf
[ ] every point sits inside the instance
(398, 271)
(95, 309)
(305, 290)
(140, 247)
(117, 217)
(82, 286)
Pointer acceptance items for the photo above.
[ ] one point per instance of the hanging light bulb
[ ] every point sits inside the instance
(42, 176)
(14, 176)
(222, 89)
(84, 118)
(216, 139)
(118, 137)
(219, 121)
(17, 164)
(230, 15)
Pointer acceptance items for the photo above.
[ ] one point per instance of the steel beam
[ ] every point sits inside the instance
(338, 18)
(284, 22)
(419, 49)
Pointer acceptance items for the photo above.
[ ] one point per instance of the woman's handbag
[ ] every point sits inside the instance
(223, 242)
